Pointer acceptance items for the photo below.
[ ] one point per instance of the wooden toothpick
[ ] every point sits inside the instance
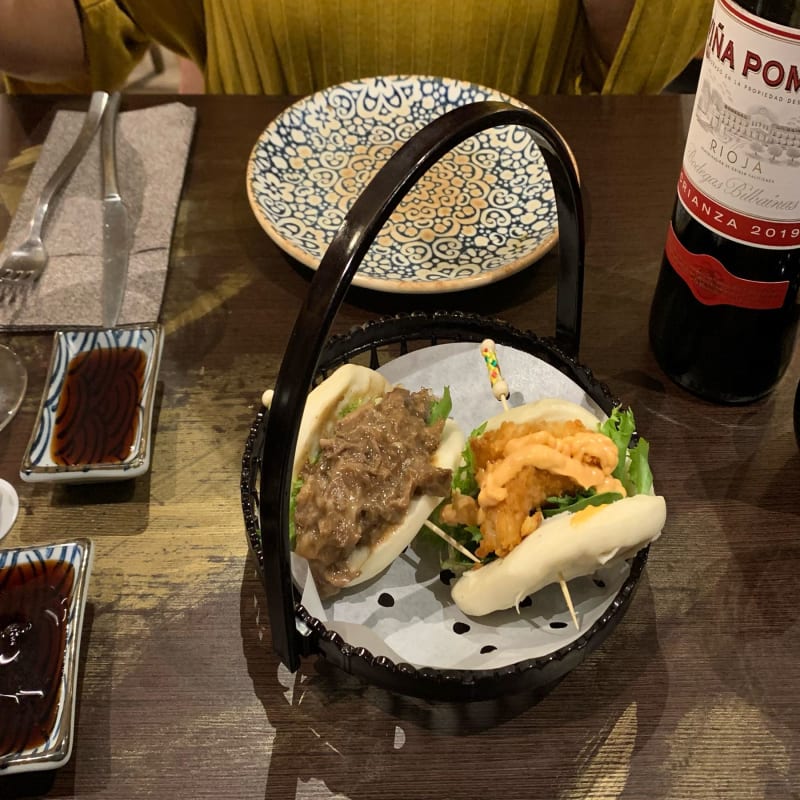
(568, 598)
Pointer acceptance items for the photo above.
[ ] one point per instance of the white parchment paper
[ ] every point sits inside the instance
(406, 613)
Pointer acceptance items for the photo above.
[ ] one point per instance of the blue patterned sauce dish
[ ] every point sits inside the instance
(94, 421)
(42, 599)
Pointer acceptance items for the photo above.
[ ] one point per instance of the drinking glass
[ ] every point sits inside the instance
(13, 382)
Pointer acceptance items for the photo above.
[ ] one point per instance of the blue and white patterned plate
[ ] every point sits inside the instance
(38, 463)
(56, 751)
(486, 210)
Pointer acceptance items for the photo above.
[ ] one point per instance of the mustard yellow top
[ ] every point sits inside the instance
(300, 46)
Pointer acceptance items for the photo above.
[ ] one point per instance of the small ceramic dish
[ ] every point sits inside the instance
(96, 411)
(42, 600)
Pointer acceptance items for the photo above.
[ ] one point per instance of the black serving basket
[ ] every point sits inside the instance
(311, 355)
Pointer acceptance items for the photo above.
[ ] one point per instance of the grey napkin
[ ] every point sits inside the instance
(152, 148)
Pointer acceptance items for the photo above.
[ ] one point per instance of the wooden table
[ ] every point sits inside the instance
(695, 695)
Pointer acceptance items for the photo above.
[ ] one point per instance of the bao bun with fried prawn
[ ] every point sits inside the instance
(547, 492)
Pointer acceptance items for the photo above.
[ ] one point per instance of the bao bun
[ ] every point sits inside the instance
(564, 546)
(349, 385)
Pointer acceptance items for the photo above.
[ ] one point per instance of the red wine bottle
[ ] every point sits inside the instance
(724, 312)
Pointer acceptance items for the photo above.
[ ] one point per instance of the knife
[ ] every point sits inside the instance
(116, 225)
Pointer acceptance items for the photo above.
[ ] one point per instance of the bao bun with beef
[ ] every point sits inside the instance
(371, 464)
(546, 492)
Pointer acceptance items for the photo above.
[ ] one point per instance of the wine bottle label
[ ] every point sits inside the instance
(713, 285)
(741, 166)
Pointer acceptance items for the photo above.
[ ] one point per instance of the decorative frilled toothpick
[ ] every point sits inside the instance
(500, 391)
(499, 386)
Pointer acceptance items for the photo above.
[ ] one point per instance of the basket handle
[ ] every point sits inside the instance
(326, 293)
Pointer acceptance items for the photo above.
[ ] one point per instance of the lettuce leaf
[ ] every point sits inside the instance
(639, 473)
(633, 468)
(619, 427)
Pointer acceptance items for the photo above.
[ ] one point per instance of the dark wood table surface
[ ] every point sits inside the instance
(695, 695)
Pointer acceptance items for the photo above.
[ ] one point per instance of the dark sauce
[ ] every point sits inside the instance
(97, 414)
(34, 606)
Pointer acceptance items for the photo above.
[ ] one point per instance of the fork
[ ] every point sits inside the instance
(25, 263)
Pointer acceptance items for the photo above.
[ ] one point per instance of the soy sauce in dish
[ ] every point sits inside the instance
(97, 415)
(34, 606)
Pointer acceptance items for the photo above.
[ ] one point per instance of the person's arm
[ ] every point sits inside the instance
(607, 20)
(41, 40)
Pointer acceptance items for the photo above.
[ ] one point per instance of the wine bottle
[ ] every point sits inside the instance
(724, 312)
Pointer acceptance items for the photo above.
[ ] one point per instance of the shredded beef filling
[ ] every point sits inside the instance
(376, 461)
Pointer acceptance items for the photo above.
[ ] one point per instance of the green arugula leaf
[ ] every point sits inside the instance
(555, 504)
(468, 536)
(473, 532)
(459, 563)
(579, 501)
(440, 409)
